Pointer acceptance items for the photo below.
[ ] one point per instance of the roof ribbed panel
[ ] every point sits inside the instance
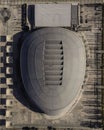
(54, 63)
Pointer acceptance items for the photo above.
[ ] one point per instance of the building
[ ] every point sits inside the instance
(53, 64)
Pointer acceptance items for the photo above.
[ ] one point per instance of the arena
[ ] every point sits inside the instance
(53, 68)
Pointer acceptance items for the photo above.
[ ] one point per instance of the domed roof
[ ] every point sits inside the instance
(53, 64)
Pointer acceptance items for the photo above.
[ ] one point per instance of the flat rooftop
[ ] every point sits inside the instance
(52, 15)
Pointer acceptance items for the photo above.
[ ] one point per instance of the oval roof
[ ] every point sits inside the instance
(53, 67)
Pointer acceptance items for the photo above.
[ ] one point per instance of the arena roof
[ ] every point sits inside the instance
(53, 67)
